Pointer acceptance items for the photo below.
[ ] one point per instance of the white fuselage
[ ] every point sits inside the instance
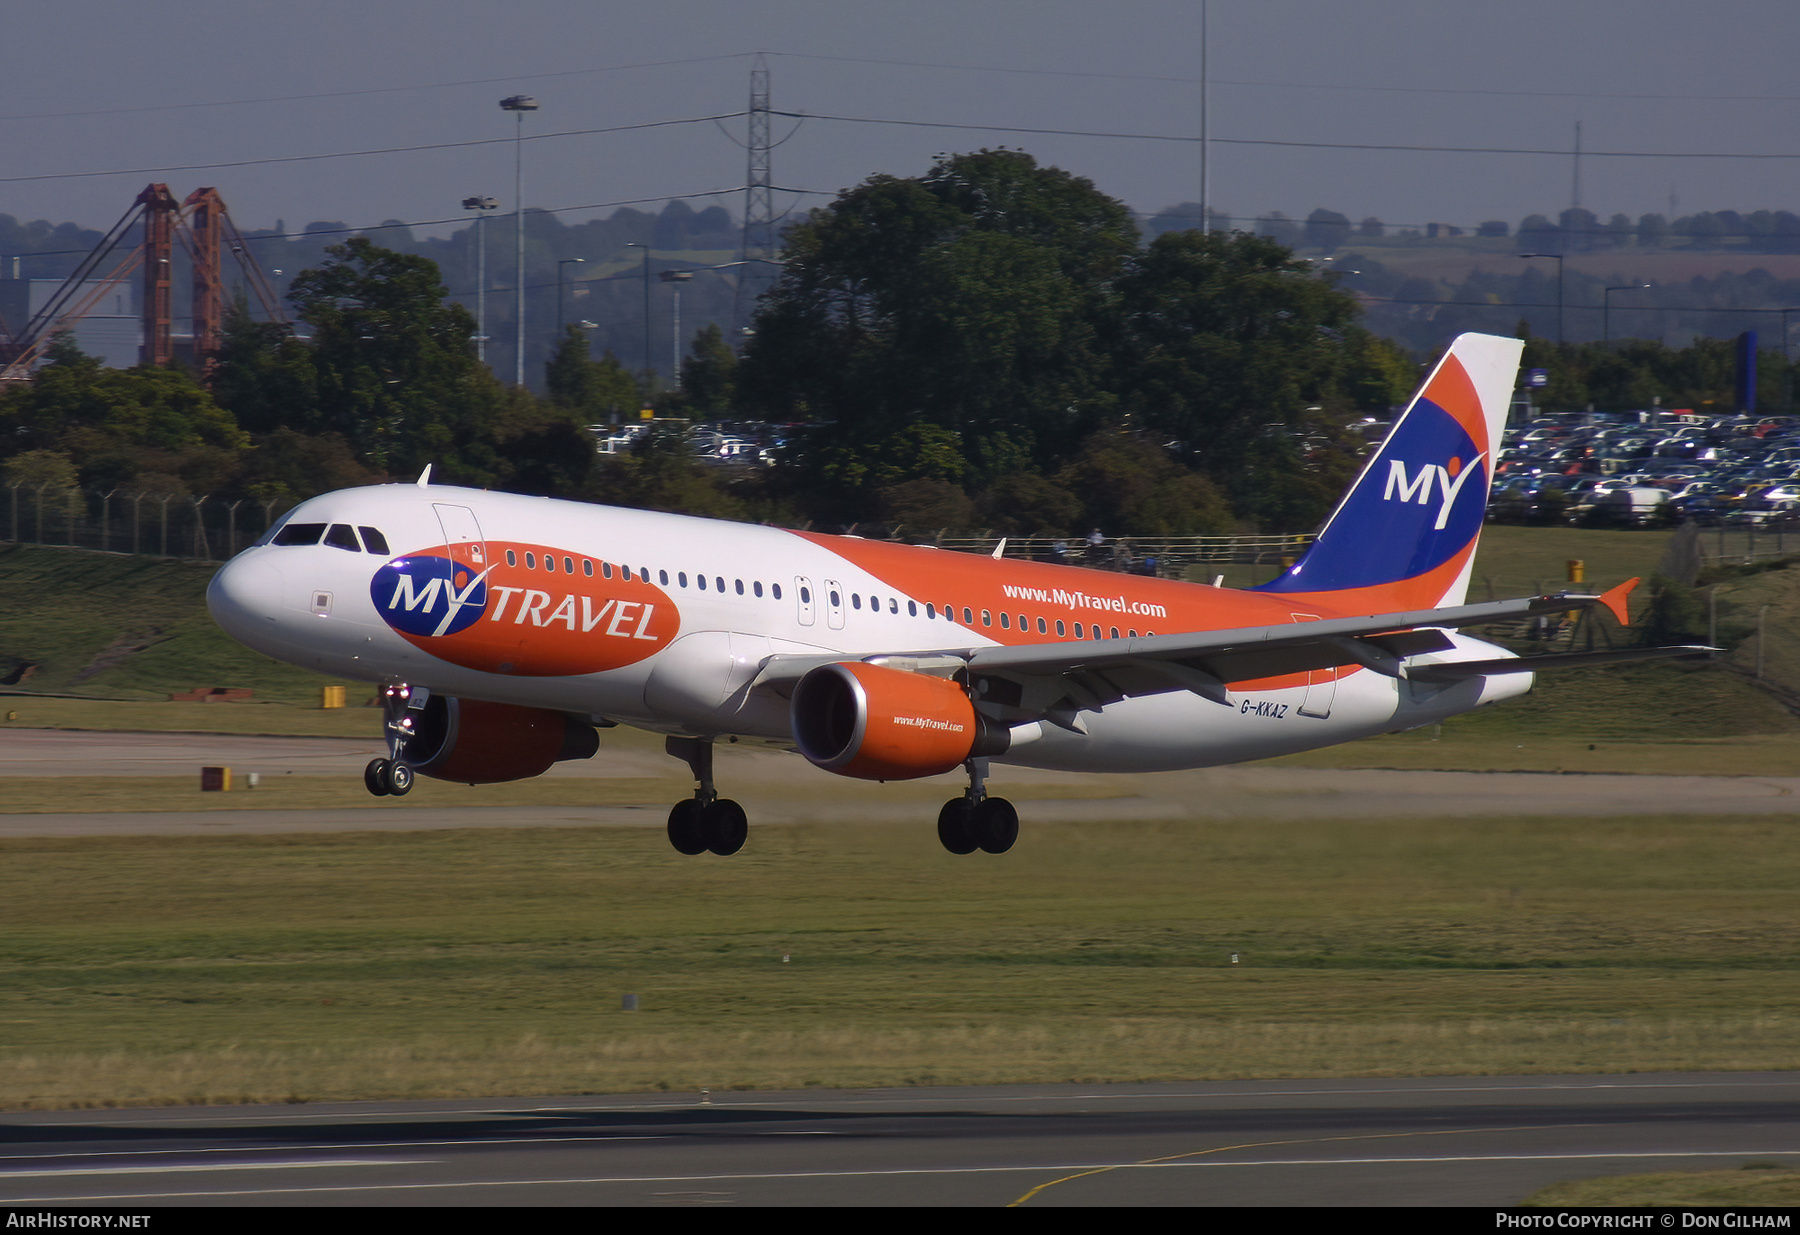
(664, 621)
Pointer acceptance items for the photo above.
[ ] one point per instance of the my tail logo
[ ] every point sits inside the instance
(1447, 479)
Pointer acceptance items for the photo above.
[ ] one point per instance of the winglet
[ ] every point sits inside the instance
(425, 476)
(1615, 600)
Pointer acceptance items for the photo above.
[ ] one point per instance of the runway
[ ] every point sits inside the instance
(1481, 1141)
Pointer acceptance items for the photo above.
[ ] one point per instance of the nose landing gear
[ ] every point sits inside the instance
(976, 821)
(393, 776)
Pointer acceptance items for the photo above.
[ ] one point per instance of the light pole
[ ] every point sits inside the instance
(675, 278)
(646, 249)
(1559, 290)
(481, 206)
(1787, 365)
(567, 261)
(519, 104)
(1606, 308)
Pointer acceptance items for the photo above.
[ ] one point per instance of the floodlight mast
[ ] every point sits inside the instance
(481, 206)
(519, 104)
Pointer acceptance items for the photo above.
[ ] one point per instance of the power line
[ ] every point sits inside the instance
(1250, 141)
(355, 154)
(1274, 85)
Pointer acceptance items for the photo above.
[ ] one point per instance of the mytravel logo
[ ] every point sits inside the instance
(1444, 480)
(429, 595)
(521, 615)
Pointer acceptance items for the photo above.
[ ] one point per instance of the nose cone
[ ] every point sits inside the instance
(245, 599)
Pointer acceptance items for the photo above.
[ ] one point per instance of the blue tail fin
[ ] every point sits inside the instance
(1404, 536)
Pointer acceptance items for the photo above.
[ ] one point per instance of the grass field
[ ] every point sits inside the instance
(1755, 1183)
(156, 970)
(117, 626)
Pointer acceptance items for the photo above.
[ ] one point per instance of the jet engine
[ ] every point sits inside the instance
(876, 723)
(477, 743)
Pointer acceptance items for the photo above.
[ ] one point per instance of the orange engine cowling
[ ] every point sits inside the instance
(884, 724)
(477, 743)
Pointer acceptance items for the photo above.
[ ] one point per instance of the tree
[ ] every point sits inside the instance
(709, 374)
(1327, 229)
(595, 390)
(1236, 350)
(395, 367)
(1278, 227)
(116, 426)
(976, 298)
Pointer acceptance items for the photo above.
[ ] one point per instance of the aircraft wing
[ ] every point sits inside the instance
(1092, 673)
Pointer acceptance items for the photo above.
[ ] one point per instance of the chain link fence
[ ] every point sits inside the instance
(128, 521)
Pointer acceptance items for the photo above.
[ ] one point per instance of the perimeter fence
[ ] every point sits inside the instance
(127, 521)
(212, 529)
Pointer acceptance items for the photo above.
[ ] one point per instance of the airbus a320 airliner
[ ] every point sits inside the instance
(506, 630)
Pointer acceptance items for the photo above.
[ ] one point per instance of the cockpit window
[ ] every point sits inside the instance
(300, 534)
(376, 542)
(340, 536)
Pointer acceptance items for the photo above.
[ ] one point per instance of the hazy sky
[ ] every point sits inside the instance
(99, 97)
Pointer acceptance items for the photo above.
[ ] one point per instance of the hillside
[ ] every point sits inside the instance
(110, 625)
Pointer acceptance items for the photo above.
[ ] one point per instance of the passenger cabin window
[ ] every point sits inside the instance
(569, 565)
(376, 542)
(587, 568)
(300, 534)
(775, 590)
(512, 559)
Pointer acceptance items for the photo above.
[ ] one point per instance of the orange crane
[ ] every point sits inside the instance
(205, 230)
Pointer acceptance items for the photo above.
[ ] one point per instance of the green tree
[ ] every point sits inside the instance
(595, 390)
(120, 426)
(709, 374)
(1238, 352)
(976, 298)
(395, 367)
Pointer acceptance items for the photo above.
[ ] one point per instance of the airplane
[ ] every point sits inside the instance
(506, 631)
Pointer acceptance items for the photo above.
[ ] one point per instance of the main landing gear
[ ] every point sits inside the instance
(976, 821)
(705, 821)
(391, 776)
